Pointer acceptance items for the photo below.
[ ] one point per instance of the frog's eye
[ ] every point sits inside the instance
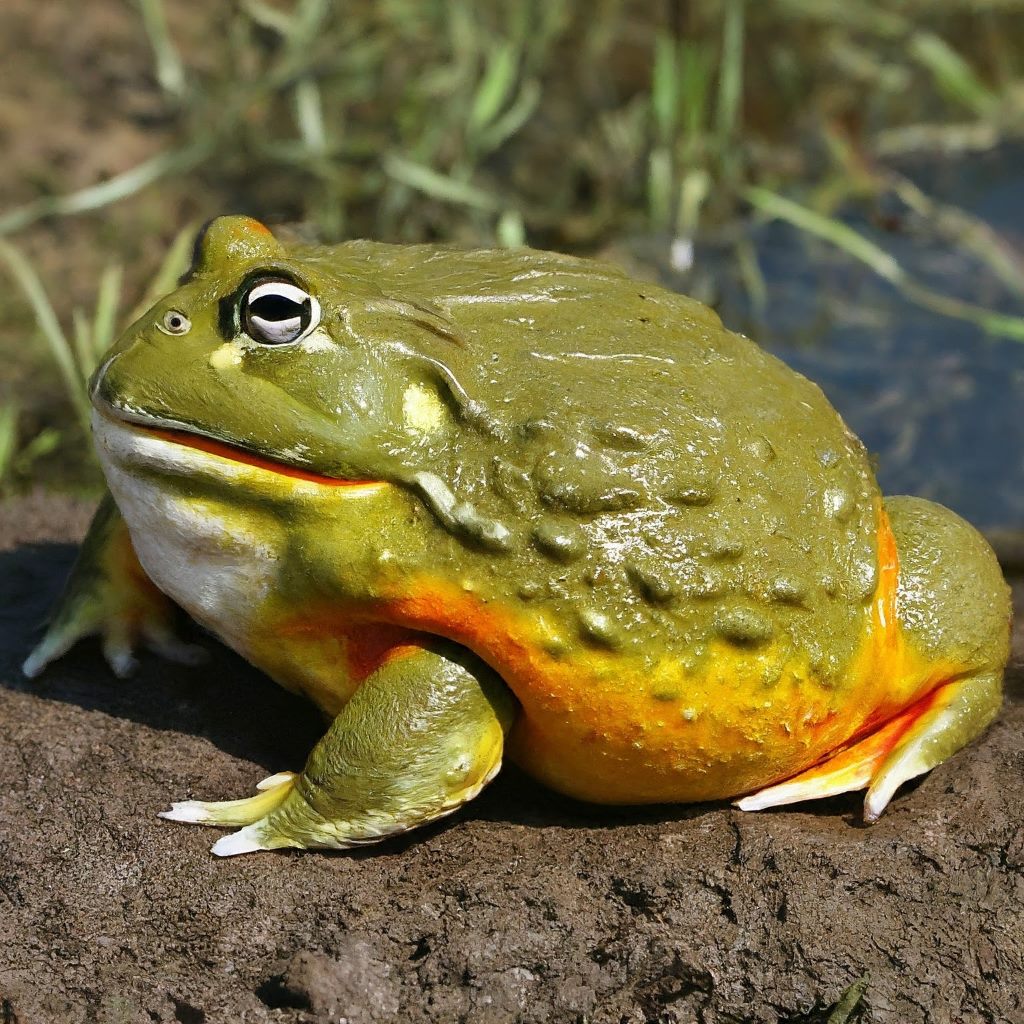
(278, 312)
(174, 322)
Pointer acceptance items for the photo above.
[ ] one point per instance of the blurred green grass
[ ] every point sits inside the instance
(557, 123)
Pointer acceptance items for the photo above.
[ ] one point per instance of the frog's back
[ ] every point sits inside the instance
(695, 530)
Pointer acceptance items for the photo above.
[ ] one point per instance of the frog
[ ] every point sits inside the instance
(479, 504)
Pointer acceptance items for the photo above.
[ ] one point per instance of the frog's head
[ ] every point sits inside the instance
(291, 356)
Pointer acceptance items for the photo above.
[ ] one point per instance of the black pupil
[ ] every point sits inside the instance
(276, 307)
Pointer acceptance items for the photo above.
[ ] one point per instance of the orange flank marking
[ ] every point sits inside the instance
(871, 751)
(610, 726)
(897, 678)
(883, 658)
(327, 653)
(888, 575)
(589, 725)
(229, 451)
(369, 645)
(365, 646)
(855, 765)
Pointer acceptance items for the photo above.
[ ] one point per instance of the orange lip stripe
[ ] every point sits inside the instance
(227, 451)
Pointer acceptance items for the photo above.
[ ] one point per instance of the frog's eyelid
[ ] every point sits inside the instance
(281, 332)
(279, 289)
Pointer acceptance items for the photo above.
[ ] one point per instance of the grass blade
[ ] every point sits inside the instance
(303, 27)
(665, 84)
(46, 319)
(693, 191)
(268, 17)
(660, 189)
(952, 74)
(175, 161)
(495, 87)
(860, 248)
(104, 322)
(44, 443)
(172, 269)
(510, 230)
(81, 335)
(840, 235)
(849, 1001)
(965, 230)
(437, 185)
(170, 72)
(507, 124)
(695, 74)
(8, 437)
(730, 80)
(309, 114)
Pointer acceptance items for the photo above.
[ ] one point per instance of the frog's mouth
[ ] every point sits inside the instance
(134, 440)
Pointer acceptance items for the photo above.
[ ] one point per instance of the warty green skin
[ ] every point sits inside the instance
(609, 454)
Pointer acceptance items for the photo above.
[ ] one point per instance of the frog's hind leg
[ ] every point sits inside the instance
(910, 744)
(953, 608)
(422, 735)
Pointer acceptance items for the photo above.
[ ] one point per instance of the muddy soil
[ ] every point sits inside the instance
(523, 907)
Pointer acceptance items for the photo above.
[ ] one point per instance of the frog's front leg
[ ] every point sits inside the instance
(109, 594)
(422, 735)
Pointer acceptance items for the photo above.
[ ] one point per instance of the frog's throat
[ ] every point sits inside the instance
(178, 451)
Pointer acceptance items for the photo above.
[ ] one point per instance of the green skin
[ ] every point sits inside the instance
(594, 450)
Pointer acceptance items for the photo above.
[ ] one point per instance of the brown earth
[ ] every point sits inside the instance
(523, 907)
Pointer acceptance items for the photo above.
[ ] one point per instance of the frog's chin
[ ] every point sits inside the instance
(165, 448)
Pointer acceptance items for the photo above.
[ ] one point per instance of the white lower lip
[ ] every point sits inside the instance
(124, 446)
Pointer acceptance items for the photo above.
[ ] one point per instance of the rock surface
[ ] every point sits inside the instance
(524, 907)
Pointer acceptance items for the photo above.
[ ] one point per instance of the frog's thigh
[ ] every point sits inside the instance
(421, 736)
(954, 613)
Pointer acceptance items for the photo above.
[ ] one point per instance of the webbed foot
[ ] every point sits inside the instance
(108, 594)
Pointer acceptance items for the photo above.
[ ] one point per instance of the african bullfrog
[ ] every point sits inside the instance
(485, 502)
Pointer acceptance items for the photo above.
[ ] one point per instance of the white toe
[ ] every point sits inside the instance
(191, 811)
(242, 841)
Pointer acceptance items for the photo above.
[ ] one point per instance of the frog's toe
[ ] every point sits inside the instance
(54, 645)
(161, 639)
(951, 716)
(121, 633)
(272, 792)
(117, 650)
(246, 840)
(910, 744)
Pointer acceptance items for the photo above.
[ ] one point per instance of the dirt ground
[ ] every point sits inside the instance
(523, 907)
